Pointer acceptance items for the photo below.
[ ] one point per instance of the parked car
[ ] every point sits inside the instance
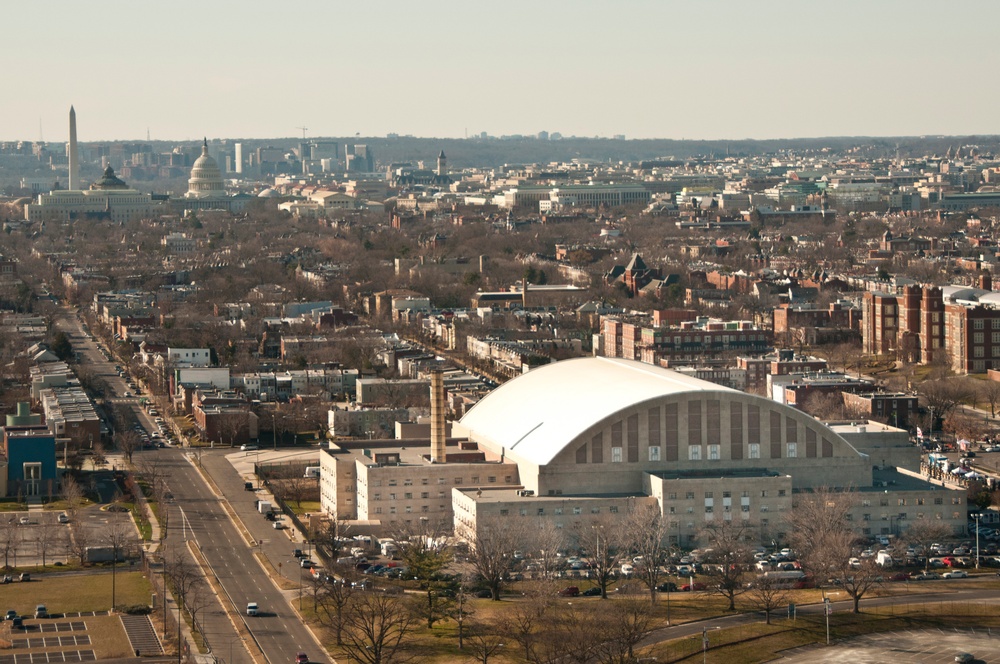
(901, 576)
(297, 553)
(41, 611)
(24, 576)
(10, 615)
(279, 525)
(305, 563)
(248, 448)
(592, 592)
(956, 574)
(7, 578)
(926, 576)
(25, 520)
(965, 657)
(688, 587)
(569, 591)
(667, 587)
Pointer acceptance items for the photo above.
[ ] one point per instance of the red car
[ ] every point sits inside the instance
(302, 658)
(902, 576)
(570, 591)
(688, 587)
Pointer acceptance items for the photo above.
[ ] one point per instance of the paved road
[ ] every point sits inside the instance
(279, 632)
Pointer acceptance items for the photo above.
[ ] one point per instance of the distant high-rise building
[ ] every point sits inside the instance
(358, 159)
(239, 157)
(442, 164)
(74, 159)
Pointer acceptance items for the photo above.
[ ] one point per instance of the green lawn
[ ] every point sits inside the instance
(86, 592)
(307, 507)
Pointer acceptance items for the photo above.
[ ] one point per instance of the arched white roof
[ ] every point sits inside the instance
(537, 414)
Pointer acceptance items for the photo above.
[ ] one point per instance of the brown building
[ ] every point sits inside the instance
(911, 324)
(808, 323)
(893, 408)
(781, 363)
(973, 339)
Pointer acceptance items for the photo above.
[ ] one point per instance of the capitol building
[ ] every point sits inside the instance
(206, 190)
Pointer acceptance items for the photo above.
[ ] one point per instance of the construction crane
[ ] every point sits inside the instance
(303, 132)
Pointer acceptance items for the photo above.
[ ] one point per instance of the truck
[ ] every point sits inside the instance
(883, 559)
(388, 546)
(264, 506)
(311, 472)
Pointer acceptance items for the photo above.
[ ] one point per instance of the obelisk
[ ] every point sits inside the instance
(74, 161)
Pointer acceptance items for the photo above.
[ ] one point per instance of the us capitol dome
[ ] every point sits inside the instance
(206, 188)
(206, 178)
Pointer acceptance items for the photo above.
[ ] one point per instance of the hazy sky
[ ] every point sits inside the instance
(646, 69)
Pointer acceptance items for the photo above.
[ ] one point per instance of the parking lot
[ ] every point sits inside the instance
(913, 646)
(39, 535)
(48, 641)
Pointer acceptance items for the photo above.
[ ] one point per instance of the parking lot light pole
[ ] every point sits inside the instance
(976, 517)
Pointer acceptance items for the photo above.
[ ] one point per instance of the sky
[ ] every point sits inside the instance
(704, 69)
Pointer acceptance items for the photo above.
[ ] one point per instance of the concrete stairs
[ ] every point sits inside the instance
(141, 635)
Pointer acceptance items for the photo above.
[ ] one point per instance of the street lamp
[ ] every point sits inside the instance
(977, 517)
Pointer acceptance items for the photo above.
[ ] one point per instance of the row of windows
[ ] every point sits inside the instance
(409, 509)
(558, 511)
(491, 479)
(884, 501)
(709, 495)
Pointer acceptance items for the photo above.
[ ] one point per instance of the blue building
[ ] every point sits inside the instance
(30, 451)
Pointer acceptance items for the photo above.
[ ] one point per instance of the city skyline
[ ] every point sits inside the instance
(645, 70)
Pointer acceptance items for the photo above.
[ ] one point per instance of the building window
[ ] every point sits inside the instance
(727, 494)
(754, 450)
(616, 455)
(558, 511)
(595, 510)
(763, 494)
(791, 450)
(409, 509)
(939, 501)
(475, 479)
(508, 479)
(541, 511)
(708, 509)
(694, 453)
(458, 480)
(408, 496)
(978, 324)
(654, 453)
(744, 508)
(441, 480)
(504, 512)
(524, 511)
(392, 496)
(407, 482)
(613, 509)
(491, 479)
(424, 480)
(672, 495)
(866, 517)
(713, 452)
(424, 494)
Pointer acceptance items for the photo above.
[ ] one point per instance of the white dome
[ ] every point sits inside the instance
(206, 178)
(268, 193)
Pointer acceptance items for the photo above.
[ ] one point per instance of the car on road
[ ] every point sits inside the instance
(297, 553)
(688, 587)
(252, 609)
(965, 657)
(301, 658)
(248, 448)
(64, 518)
(305, 563)
(956, 574)
(926, 576)
(25, 520)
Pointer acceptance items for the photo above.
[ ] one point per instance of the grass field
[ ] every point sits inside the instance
(307, 507)
(84, 592)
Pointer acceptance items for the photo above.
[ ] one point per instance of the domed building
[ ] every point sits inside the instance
(109, 198)
(206, 188)
(206, 178)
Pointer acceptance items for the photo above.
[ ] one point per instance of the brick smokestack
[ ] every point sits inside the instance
(438, 453)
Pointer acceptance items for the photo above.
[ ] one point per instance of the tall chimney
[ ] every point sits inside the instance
(74, 161)
(438, 453)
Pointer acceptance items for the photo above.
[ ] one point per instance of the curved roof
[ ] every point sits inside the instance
(537, 414)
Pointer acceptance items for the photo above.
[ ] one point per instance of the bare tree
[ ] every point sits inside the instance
(821, 533)
(10, 538)
(731, 555)
(425, 554)
(922, 534)
(621, 630)
(492, 548)
(990, 392)
(485, 642)
(647, 535)
(606, 542)
(47, 535)
(378, 628)
(128, 442)
(332, 603)
(73, 495)
(547, 541)
(767, 594)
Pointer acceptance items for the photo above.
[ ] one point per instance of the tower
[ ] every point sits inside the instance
(442, 164)
(239, 158)
(438, 453)
(74, 161)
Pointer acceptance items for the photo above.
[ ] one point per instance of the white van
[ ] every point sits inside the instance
(252, 609)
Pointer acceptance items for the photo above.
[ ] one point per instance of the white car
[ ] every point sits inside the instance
(955, 574)
(25, 521)
(248, 448)
(64, 518)
(252, 609)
